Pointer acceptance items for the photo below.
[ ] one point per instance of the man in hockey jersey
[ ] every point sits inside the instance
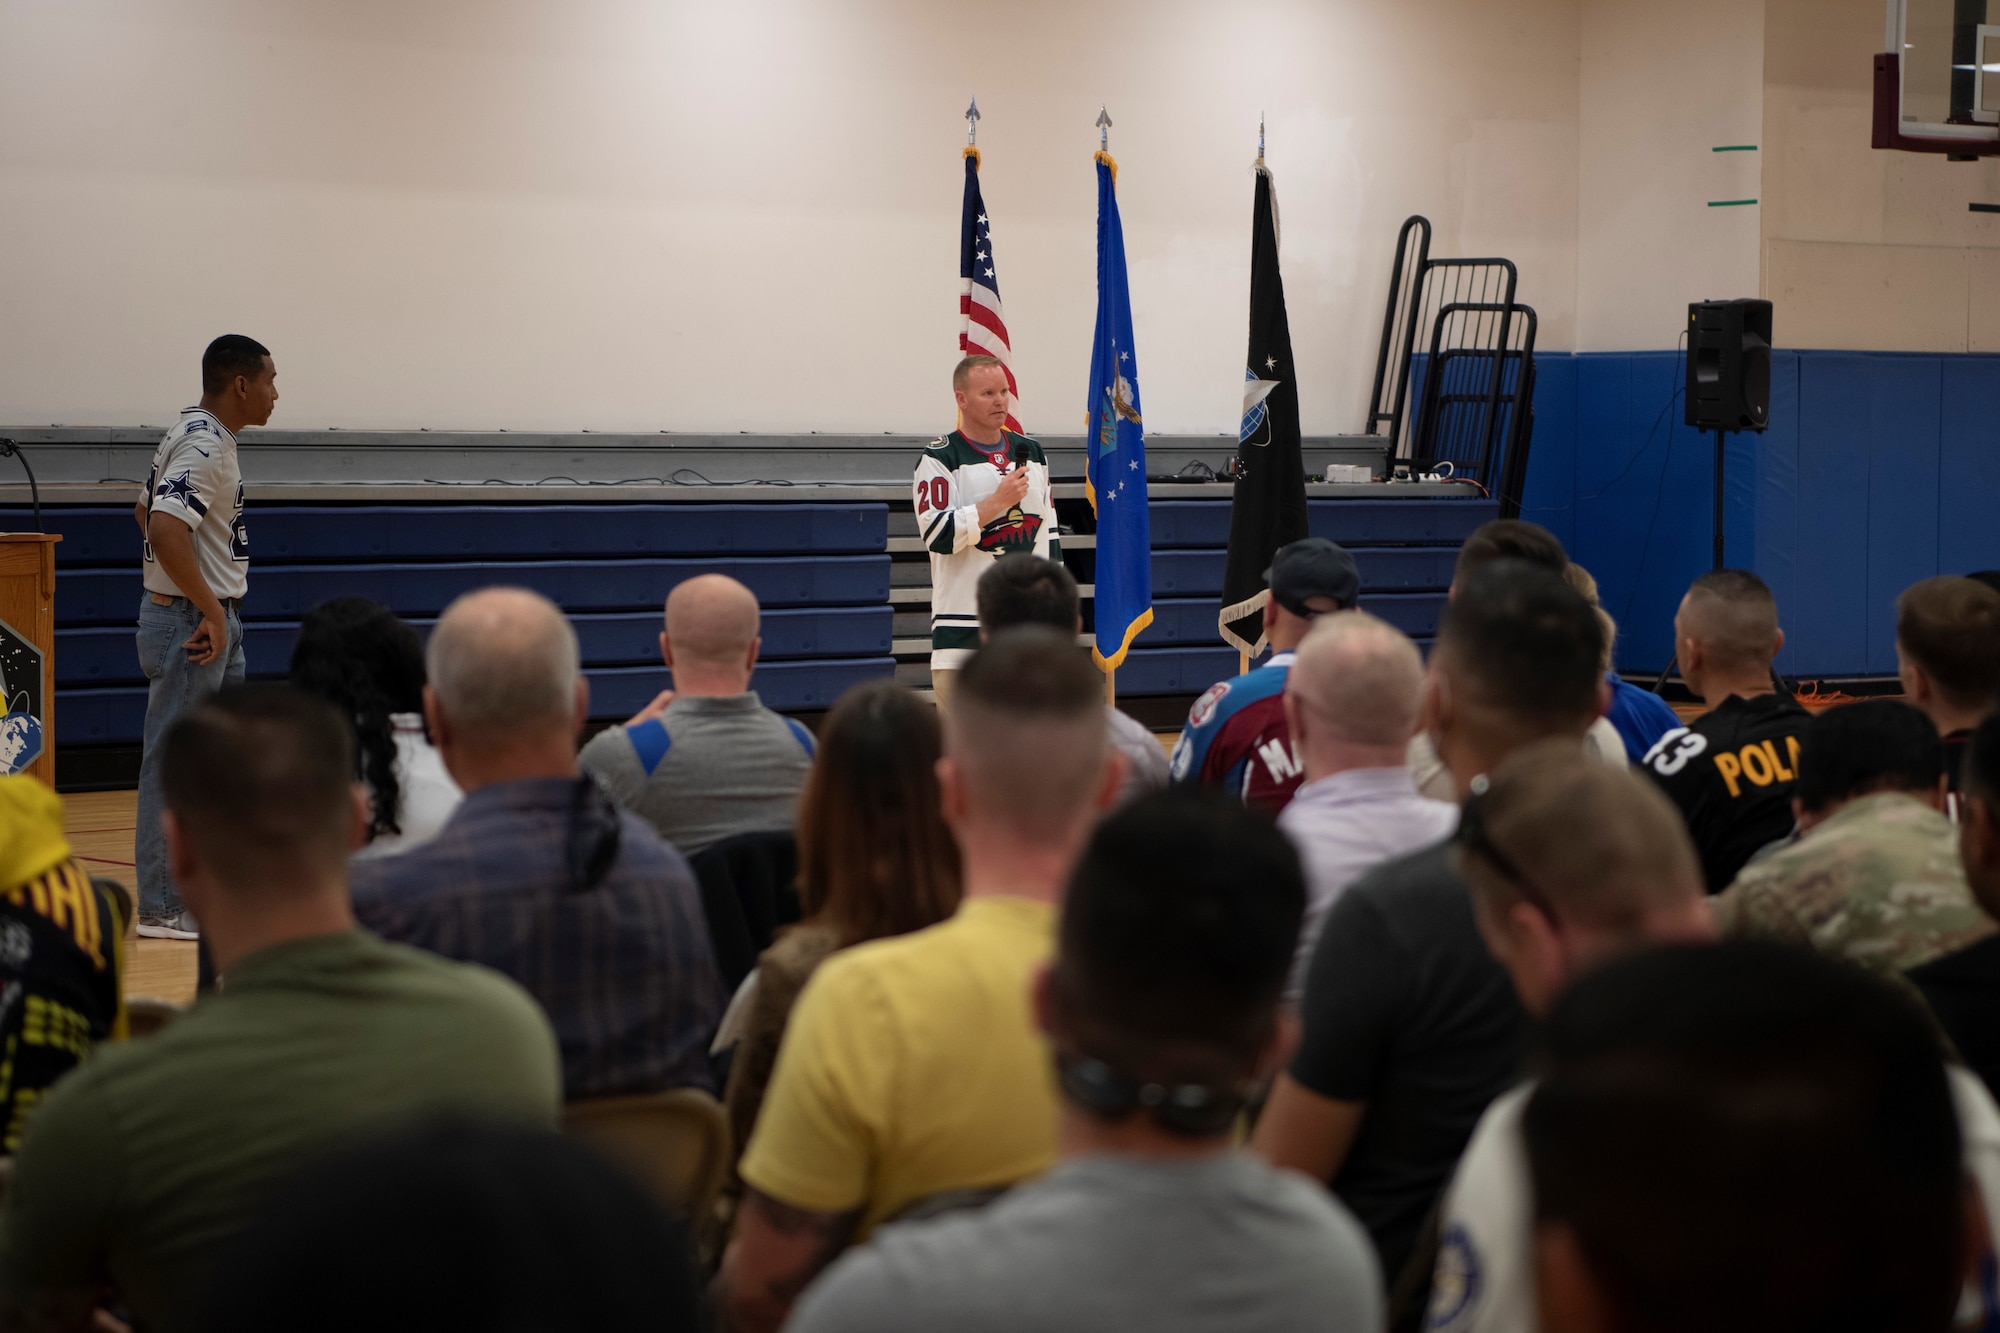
(197, 564)
(1732, 772)
(1236, 736)
(980, 492)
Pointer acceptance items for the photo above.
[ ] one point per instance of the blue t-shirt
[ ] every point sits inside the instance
(1641, 716)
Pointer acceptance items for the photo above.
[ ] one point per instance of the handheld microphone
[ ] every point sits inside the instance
(1018, 454)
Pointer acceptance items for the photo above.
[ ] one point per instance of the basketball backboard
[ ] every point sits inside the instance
(1937, 86)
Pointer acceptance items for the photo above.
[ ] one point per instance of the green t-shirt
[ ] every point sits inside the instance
(141, 1162)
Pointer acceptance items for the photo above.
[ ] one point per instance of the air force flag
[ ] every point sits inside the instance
(1115, 445)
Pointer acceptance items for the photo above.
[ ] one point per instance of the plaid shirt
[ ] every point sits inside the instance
(625, 970)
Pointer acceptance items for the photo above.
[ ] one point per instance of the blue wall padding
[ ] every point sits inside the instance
(1878, 469)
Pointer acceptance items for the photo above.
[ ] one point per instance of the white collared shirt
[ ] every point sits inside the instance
(1346, 824)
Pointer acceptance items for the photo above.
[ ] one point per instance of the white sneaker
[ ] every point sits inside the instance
(179, 927)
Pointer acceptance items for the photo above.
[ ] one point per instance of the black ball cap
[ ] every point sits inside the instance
(1314, 567)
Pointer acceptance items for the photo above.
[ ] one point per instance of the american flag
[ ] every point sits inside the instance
(984, 331)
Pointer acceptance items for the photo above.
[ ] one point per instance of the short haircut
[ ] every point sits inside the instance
(1027, 728)
(1526, 645)
(1586, 585)
(1178, 929)
(1733, 615)
(1595, 844)
(1362, 676)
(712, 619)
(875, 856)
(1024, 589)
(961, 374)
(360, 657)
(1509, 539)
(457, 1222)
(1871, 746)
(501, 661)
(229, 356)
(1989, 577)
(259, 778)
(1950, 626)
(1980, 775)
(1748, 1136)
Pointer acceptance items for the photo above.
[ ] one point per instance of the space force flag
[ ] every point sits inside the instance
(1268, 509)
(1115, 445)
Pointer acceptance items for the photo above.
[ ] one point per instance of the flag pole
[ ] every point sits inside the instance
(1242, 657)
(1104, 146)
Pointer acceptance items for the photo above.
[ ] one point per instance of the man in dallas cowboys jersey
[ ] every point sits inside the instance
(197, 564)
(980, 492)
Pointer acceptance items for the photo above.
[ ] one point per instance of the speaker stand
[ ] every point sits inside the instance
(1721, 437)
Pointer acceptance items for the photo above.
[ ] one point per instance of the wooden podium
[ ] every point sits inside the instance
(28, 649)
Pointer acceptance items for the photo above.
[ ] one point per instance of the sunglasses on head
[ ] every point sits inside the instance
(1473, 837)
(1193, 1109)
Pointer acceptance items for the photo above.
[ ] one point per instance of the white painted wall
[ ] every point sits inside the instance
(743, 215)
(1866, 250)
(1662, 86)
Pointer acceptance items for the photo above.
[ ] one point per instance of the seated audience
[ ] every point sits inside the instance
(706, 760)
(140, 1165)
(1571, 864)
(1236, 739)
(1874, 876)
(1162, 1007)
(911, 1071)
(1024, 589)
(875, 860)
(537, 875)
(1351, 704)
(1641, 717)
(1743, 1138)
(1732, 771)
(1963, 989)
(1411, 1027)
(1948, 657)
(62, 953)
(1517, 539)
(359, 657)
(458, 1225)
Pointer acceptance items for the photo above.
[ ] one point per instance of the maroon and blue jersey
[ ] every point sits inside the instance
(1237, 740)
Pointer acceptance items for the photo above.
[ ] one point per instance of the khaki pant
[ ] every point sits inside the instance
(942, 684)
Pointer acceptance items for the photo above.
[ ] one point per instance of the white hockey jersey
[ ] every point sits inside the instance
(953, 476)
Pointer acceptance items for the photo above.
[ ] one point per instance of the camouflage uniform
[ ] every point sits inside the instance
(1877, 883)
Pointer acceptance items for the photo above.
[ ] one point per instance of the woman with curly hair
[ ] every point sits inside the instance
(357, 655)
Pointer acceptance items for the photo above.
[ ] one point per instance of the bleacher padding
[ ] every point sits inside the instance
(821, 571)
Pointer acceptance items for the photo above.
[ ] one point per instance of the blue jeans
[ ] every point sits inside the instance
(177, 685)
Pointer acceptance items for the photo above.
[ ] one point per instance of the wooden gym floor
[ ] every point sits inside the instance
(100, 826)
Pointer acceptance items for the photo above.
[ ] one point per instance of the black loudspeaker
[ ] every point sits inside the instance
(1729, 365)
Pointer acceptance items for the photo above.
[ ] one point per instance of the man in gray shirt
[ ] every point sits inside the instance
(1024, 589)
(706, 760)
(1162, 1011)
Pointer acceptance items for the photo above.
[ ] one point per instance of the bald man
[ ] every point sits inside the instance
(706, 760)
(537, 874)
(1733, 771)
(1351, 704)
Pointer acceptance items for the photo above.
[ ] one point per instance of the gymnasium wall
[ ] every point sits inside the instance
(1865, 250)
(1879, 469)
(670, 214)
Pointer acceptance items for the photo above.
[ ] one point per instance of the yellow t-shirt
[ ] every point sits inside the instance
(912, 1066)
